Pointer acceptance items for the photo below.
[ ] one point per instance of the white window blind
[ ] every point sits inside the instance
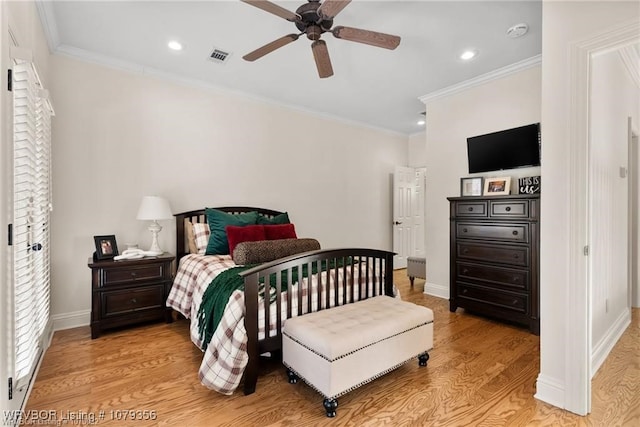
(31, 211)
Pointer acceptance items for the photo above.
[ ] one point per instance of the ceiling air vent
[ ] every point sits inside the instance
(219, 56)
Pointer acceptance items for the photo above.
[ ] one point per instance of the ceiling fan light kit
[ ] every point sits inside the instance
(313, 19)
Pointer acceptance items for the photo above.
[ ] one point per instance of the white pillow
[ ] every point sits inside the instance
(201, 234)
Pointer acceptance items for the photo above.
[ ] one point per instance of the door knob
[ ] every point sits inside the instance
(397, 222)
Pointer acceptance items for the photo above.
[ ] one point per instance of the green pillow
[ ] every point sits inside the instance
(218, 220)
(278, 219)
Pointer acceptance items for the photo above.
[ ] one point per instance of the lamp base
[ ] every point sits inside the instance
(154, 250)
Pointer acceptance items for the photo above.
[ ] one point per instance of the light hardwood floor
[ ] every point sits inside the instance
(481, 373)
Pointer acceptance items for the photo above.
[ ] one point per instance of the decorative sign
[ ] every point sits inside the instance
(529, 185)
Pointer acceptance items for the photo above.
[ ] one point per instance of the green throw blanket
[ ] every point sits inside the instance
(219, 291)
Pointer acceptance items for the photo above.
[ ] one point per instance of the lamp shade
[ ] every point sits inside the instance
(153, 208)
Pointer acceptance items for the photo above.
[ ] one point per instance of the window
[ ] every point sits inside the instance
(31, 212)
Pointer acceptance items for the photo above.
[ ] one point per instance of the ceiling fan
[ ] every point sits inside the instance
(314, 19)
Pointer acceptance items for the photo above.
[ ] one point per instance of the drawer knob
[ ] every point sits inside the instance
(516, 256)
(515, 302)
(516, 279)
(464, 230)
(464, 291)
(465, 271)
(515, 232)
(133, 300)
(133, 274)
(465, 250)
(508, 209)
(470, 208)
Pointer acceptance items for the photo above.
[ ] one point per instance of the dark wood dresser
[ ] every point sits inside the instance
(495, 252)
(126, 292)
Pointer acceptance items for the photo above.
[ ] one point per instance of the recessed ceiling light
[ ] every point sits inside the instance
(468, 54)
(421, 122)
(174, 45)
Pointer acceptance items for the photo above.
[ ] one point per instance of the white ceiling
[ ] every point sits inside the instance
(373, 86)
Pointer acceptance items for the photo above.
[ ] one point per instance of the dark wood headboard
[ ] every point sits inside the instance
(198, 216)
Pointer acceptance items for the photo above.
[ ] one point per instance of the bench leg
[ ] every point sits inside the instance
(330, 406)
(293, 378)
(422, 359)
(411, 279)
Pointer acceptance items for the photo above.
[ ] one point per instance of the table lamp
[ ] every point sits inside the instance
(154, 208)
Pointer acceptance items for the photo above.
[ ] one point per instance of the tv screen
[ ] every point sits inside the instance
(507, 149)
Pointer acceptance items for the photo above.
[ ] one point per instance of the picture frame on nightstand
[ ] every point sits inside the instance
(106, 247)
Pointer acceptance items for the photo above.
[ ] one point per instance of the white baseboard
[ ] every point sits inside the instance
(602, 349)
(71, 320)
(550, 390)
(436, 290)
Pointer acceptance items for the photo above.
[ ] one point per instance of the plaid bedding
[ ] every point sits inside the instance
(226, 356)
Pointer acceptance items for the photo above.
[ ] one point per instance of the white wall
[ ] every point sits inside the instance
(563, 23)
(22, 20)
(497, 105)
(417, 150)
(120, 136)
(614, 98)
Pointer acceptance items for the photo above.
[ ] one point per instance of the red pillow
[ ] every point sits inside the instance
(248, 233)
(280, 231)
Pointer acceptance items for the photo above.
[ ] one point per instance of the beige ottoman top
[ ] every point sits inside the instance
(339, 331)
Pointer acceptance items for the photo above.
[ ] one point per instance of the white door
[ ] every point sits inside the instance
(408, 214)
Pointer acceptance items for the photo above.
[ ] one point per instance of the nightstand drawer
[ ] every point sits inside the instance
(115, 303)
(518, 233)
(128, 274)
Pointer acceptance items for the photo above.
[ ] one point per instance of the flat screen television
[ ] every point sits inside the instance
(507, 149)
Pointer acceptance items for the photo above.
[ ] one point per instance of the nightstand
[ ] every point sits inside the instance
(127, 292)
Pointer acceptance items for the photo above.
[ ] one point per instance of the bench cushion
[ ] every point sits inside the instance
(339, 349)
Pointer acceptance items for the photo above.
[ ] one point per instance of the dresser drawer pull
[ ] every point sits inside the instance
(464, 291)
(465, 271)
(133, 300)
(516, 256)
(464, 230)
(508, 209)
(516, 279)
(470, 208)
(134, 274)
(515, 232)
(515, 302)
(465, 250)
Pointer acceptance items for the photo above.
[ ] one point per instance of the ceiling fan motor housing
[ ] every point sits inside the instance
(311, 23)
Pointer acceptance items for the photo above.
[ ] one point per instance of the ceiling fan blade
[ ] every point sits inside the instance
(270, 47)
(330, 8)
(372, 38)
(321, 55)
(267, 6)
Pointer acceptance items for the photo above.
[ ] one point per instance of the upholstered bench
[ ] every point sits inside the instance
(416, 267)
(341, 348)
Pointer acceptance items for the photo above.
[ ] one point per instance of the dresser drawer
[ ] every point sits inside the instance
(501, 254)
(471, 209)
(511, 301)
(509, 208)
(501, 277)
(115, 303)
(518, 233)
(128, 274)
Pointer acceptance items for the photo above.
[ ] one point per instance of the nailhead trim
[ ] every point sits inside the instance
(342, 393)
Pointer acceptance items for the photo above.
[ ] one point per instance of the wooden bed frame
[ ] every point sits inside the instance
(380, 276)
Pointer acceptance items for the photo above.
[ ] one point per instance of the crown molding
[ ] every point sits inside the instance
(482, 79)
(48, 20)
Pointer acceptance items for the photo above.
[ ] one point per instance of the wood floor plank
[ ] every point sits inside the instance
(481, 373)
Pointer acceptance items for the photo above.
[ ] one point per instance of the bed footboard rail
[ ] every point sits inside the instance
(341, 276)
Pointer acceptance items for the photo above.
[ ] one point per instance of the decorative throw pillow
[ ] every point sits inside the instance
(269, 250)
(218, 220)
(191, 240)
(201, 235)
(283, 218)
(280, 231)
(248, 233)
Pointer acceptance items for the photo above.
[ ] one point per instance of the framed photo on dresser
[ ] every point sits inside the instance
(497, 186)
(106, 247)
(471, 186)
